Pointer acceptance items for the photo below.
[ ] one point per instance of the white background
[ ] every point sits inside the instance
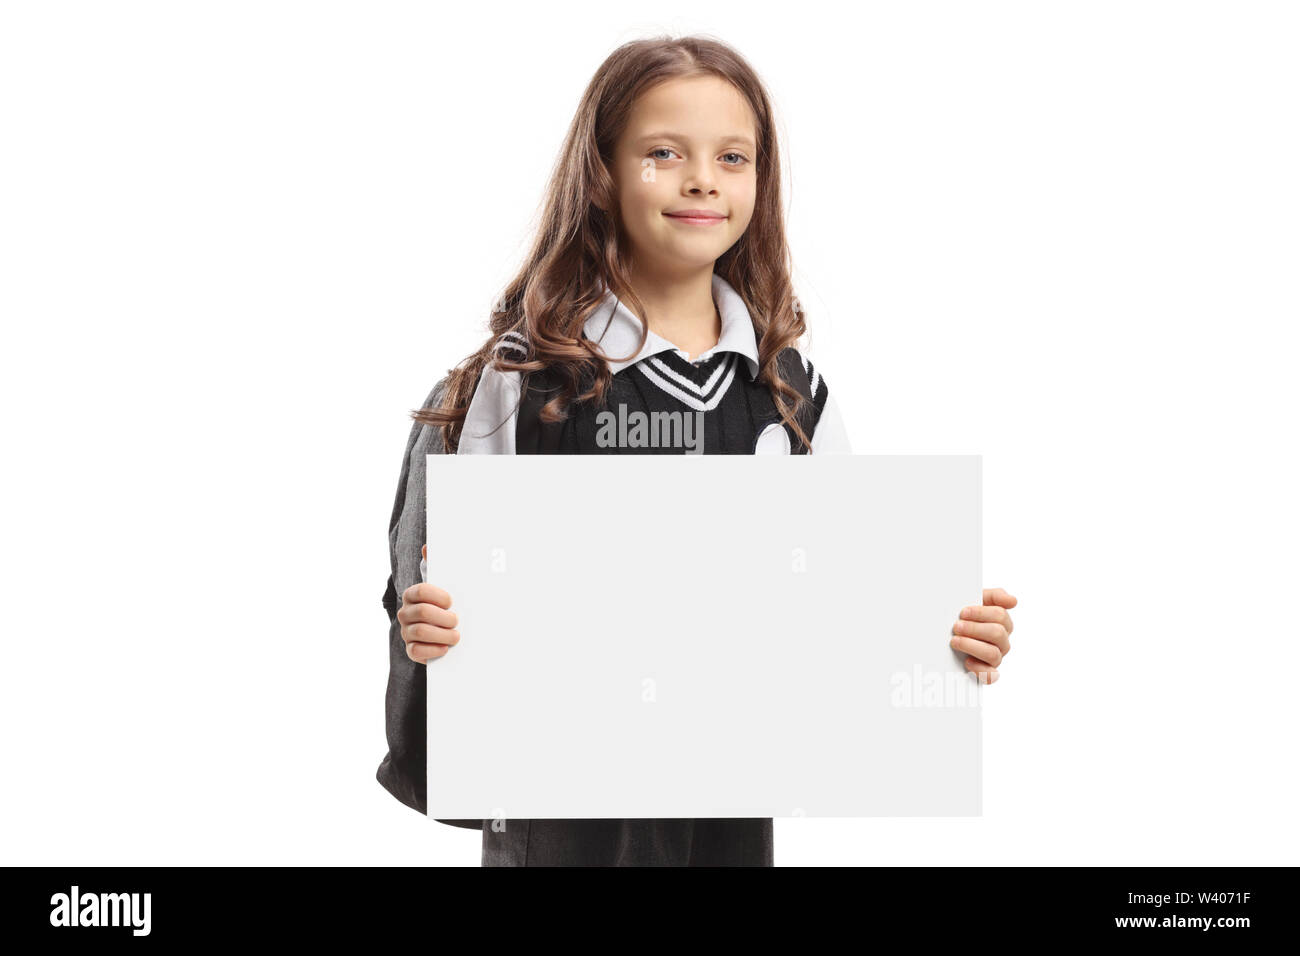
(240, 241)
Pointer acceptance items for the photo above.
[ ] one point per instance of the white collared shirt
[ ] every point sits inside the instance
(617, 331)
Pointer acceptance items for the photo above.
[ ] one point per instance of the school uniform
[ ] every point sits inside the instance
(738, 417)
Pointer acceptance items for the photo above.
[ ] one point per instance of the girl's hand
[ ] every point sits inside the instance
(428, 623)
(985, 634)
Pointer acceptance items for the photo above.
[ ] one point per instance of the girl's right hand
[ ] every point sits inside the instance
(428, 623)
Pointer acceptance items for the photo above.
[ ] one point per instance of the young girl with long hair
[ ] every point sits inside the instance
(658, 283)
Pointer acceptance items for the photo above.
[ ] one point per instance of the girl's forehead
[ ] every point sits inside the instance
(697, 106)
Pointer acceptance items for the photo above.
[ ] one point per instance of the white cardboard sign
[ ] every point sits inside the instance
(704, 636)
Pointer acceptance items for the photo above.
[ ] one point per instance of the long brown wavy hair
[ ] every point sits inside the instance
(577, 246)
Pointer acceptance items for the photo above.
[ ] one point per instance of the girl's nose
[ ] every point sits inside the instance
(700, 178)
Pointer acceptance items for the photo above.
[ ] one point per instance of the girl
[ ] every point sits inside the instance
(658, 284)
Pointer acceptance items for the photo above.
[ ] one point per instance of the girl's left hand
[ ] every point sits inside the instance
(985, 634)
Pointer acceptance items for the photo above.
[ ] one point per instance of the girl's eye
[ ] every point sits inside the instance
(740, 158)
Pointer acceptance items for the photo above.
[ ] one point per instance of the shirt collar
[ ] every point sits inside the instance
(617, 330)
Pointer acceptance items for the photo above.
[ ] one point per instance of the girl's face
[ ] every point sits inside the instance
(689, 145)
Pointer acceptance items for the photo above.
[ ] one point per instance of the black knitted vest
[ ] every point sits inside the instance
(719, 394)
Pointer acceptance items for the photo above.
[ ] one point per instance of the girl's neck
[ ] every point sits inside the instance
(680, 309)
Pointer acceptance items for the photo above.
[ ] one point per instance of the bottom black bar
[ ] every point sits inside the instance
(1166, 904)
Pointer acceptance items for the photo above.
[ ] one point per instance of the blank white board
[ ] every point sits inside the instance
(704, 636)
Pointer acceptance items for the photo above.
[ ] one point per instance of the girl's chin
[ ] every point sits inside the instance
(678, 248)
(694, 251)
(693, 237)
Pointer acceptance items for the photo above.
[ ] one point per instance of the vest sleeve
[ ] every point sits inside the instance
(830, 436)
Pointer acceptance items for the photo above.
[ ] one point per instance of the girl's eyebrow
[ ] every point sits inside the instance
(669, 134)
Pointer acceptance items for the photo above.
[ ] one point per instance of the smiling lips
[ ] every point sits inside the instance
(697, 217)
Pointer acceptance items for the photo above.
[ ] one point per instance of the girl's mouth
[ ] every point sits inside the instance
(696, 217)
